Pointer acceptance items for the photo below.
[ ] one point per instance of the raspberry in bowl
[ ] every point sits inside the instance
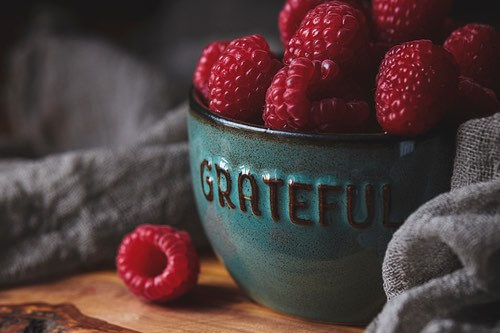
(302, 220)
(299, 190)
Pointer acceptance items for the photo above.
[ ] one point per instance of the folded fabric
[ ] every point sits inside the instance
(117, 159)
(97, 116)
(442, 268)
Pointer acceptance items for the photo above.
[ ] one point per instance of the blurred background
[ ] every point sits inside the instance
(86, 64)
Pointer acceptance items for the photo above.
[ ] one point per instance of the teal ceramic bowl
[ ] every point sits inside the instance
(302, 221)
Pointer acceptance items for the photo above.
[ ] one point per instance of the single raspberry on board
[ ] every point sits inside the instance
(476, 48)
(209, 56)
(400, 21)
(240, 78)
(416, 85)
(312, 95)
(293, 13)
(474, 101)
(158, 263)
(333, 31)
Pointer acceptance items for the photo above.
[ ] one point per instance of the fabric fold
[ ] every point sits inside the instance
(442, 268)
(115, 157)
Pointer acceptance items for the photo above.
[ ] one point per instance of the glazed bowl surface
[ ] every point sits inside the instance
(302, 221)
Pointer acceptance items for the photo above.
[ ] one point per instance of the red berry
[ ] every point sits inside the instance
(209, 56)
(240, 78)
(293, 13)
(158, 263)
(314, 96)
(474, 101)
(333, 30)
(400, 21)
(476, 48)
(416, 85)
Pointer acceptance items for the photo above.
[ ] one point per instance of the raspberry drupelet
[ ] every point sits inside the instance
(293, 13)
(476, 48)
(474, 101)
(416, 85)
(312, 95)
(209, 57)
(333, 31)
(240, 78)
(398, 21)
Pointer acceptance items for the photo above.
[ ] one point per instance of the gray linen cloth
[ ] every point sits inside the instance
(68, 211)
(111, 152)
(442, 268)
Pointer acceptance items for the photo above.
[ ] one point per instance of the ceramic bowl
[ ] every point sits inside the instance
(302, 221)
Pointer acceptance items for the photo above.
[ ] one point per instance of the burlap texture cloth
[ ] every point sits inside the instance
(442, 267)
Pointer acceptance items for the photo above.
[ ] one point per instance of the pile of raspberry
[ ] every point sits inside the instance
(351, 66)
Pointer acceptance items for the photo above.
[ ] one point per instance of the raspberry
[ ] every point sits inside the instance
(333, 30)
(476, 48)
(314, 96)
(474, 101)
(209, 56)
(293, 13)
(400, 21)
(416, 85)
(158, 263)
(240, 78)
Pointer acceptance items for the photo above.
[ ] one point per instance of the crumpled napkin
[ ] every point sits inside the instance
(115, 157)
(442, 268)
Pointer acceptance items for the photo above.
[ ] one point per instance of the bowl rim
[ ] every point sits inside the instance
(198, 109)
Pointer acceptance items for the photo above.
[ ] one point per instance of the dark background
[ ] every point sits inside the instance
(169, 34)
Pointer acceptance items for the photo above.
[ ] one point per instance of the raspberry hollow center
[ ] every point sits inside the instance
(147, 260)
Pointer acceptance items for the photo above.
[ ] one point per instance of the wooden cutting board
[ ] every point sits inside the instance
(99, 302)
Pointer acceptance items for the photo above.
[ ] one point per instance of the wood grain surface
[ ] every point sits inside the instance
(215, 305)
